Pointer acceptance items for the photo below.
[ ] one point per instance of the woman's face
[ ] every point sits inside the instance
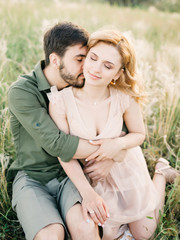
(102, 64)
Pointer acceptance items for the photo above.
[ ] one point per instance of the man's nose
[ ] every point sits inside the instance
(82, 64)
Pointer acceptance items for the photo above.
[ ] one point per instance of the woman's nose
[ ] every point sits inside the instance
(97, 67)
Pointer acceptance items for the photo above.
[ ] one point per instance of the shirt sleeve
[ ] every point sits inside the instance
(26, 106)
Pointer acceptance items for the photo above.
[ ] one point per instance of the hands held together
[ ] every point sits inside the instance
(99, 164)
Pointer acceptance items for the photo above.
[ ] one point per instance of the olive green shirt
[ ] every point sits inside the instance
(37, 139)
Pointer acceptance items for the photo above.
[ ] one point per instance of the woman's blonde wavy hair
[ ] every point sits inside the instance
(128, 82)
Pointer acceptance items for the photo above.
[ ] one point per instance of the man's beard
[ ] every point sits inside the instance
(72, 80)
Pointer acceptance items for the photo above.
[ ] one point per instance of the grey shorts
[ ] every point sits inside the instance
(39, 205)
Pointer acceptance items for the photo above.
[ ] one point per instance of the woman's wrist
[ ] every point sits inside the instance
(130, 140)
(121, 142)
(85, 191)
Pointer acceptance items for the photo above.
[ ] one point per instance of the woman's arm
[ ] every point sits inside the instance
(91, 200)
(134, 121)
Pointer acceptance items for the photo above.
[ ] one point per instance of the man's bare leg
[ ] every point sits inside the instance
(51, 232)
(79, 229)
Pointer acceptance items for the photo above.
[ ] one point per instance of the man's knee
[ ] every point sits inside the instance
(87, 230)
(51, 232)
(44, 237)
(78, 227)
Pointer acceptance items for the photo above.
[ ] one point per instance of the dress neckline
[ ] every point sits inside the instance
(76, 100)
(94, 104)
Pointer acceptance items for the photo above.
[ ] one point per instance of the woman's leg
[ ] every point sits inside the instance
(144, 228)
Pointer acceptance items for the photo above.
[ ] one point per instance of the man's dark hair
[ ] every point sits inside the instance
(61, 36)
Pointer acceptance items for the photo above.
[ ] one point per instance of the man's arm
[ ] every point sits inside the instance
(26, 104)
(84, 149)
(57, 113)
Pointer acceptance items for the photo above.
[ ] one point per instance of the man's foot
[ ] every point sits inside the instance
(162, 167)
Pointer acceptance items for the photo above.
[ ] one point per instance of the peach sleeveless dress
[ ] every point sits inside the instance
(128, 189)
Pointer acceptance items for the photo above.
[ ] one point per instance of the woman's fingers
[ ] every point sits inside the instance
(94, 216)
(101, 215)
(106, 209)
(101, 158)
(85, 214)
(92, 156)
(94, 206)
(96, 142)
(90, 162)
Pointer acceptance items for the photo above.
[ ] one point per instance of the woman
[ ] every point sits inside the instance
(111, 95)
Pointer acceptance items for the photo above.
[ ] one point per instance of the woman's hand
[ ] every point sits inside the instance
(109, 149)
(95, 207)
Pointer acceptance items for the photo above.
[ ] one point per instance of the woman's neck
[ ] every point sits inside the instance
(93, 94)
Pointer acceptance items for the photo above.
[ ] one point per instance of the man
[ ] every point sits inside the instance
(43, 197)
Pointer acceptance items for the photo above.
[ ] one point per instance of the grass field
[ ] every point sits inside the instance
(156, 38)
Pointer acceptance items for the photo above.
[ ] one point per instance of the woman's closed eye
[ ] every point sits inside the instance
(108, 66)
(93, 58)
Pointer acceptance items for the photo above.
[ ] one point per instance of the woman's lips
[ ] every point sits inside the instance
(94, 76)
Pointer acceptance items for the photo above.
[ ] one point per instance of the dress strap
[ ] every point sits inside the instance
(53, 94)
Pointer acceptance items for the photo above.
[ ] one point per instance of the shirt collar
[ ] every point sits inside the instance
(41, 79)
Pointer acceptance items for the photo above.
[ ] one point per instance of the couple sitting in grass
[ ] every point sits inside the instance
(76, 174)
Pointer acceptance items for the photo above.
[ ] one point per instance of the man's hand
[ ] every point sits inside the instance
(109, 149)
(98, 170)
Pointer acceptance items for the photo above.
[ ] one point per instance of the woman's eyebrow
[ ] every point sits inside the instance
(105, 60)
(109, 62)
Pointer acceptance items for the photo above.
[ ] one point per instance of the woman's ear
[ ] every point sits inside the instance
(120, 72)
(54, 60)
